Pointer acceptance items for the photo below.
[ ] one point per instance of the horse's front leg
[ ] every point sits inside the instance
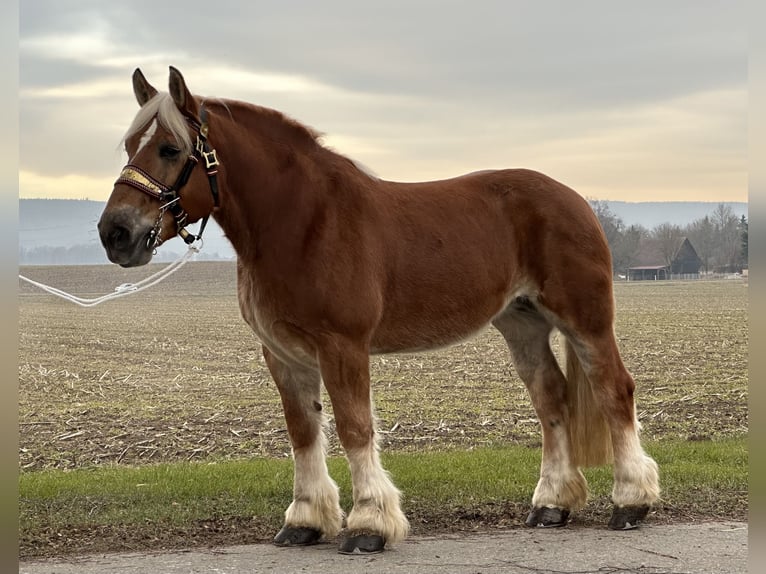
(376, 517)
(315, 510)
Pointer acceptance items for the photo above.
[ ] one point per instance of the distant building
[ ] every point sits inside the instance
(648, 273)
(685, 264)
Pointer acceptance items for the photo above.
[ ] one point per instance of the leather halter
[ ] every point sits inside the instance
(137, 178)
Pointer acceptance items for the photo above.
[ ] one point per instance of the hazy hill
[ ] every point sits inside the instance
(650, 214)
(63, 231)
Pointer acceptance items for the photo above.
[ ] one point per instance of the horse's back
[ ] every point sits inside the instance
(520, 194)
(457, 251)
(507, 221)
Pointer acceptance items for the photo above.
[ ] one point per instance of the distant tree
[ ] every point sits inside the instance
(701, 233)
(627, 249)
(668, 238)
(728, 238)
(613, 229)
(743, 238)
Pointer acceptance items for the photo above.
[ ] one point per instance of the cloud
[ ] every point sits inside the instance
(624, 100)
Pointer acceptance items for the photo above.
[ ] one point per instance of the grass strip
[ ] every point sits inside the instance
(180, 504)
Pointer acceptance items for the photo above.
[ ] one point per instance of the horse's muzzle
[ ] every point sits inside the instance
(126, 238)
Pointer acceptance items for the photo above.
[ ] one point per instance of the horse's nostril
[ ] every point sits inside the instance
(123, 233)
(119, 236)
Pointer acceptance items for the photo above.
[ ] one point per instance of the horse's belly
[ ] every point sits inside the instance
(409, 332)
(420, 342)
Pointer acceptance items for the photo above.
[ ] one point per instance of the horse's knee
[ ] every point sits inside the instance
(354, 433)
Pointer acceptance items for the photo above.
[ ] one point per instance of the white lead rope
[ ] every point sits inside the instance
(125, 288)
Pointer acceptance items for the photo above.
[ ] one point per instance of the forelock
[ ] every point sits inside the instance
(164, 109)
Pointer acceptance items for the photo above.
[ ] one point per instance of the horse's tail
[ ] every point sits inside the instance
(589, 435)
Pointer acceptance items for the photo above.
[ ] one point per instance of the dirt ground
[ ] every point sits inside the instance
(174, 374)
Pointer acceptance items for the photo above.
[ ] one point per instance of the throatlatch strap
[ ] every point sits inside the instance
(209, 155)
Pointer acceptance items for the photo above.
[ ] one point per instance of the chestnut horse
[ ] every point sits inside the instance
(334, 265)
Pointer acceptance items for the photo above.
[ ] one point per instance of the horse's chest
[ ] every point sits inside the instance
(282, 339)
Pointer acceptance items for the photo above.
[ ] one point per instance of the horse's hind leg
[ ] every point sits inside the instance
(600, 391)
(315, 510)
(376, 517)
(562, 487)
(636, 477)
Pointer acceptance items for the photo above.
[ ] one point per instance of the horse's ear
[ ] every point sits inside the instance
(144, 90)
(181, 94)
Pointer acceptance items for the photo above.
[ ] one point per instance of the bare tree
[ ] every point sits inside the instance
(702, 235)
(612, 226)
(628, 248)
(728, 238)
(743, 229)
(668, 238)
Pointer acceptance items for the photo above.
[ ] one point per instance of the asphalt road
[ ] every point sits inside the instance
(706, 548)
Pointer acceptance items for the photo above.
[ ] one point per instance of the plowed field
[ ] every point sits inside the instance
(173, 373)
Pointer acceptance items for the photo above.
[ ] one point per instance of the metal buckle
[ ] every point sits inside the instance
(211, 159)
(154, 240)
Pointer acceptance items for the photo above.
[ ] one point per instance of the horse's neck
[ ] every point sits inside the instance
(268, 189)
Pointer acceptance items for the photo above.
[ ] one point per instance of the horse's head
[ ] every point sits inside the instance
(159, 191)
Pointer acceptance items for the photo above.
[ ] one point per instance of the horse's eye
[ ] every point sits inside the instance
(169, 152)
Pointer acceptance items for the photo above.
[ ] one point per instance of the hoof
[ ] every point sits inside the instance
(362, 544)
(297, 536)
(627, 517)
(546, 517)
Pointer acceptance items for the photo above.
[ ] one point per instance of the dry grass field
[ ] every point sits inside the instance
(174, 374)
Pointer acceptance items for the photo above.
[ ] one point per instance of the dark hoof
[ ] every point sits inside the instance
(297, 536)
(546, 517)
(362, 544)
(627, 517)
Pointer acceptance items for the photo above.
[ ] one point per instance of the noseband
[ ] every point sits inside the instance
(169, 197)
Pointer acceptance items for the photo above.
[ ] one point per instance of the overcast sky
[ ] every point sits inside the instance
(622, 100)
